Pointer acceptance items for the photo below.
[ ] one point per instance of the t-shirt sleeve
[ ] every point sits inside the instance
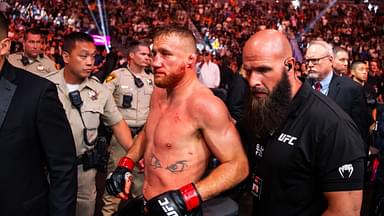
(340, 158)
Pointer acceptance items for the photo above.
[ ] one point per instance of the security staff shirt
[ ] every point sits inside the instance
(318, 149)
(41, 66)
(97, 102)
(132, 101)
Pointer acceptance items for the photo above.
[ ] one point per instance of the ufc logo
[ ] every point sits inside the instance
(167, 209)
(285, 138)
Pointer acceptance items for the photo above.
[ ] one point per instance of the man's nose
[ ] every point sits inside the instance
(156, 61)
(254, 79)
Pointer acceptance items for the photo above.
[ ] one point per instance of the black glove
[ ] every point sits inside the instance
(177, 202)
(115, 181)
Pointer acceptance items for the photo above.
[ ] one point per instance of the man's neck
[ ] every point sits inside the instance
(183, 86)
(358, 81)
(30, 57)
(70, 78)
(135, 68)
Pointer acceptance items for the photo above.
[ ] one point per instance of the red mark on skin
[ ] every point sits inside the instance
(176, 118)
(169, 145)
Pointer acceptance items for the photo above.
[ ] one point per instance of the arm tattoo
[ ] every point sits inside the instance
(155, 162)
(177, 167)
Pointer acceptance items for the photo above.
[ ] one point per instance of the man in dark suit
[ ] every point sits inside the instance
(343, 90)
(35, 139)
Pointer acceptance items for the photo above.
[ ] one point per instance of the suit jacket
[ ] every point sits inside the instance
(35, 138)
(351, 98)
(238, 95)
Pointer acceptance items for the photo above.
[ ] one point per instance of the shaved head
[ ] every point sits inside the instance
(268, 42)
(188, 40)
(268, 66)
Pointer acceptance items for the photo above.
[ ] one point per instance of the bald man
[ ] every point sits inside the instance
(307, 154)
(186, 125)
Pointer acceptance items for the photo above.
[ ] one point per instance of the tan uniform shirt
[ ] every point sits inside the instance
(121, 83)
(42, 66)
(97, 102)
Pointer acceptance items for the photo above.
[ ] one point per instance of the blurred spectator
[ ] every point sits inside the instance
(208, 71)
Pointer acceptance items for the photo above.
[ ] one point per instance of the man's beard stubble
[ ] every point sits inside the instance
(169, 80)
(265, 115)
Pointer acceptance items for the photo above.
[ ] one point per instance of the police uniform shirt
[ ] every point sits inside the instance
(41, 66)
(132, 101)
(319, 149)
(97, 102)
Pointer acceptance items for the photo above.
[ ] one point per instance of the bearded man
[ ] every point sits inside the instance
(307, 154)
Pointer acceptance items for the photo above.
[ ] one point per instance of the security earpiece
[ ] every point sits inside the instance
(288, 66)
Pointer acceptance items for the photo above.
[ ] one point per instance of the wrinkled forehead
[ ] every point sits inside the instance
(316, 51)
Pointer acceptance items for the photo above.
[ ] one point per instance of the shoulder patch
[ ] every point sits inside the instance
(111, 77)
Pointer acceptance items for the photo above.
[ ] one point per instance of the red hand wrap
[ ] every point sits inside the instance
(191, 196)
(127, 163)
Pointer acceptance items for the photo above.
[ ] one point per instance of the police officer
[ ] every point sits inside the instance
(86, 102)
(33, 58)
(131, 87)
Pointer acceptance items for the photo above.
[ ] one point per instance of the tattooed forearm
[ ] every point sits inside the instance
(178, 166)
(155, 162)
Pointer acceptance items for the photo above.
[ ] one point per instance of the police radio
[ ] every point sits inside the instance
(24, 60)
(138, 82)
(75, 99)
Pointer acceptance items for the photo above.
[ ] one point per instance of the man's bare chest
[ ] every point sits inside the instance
(170, 126)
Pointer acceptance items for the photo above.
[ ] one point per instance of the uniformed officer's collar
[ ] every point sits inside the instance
(88, 82)
(31, 60)
(298, 99)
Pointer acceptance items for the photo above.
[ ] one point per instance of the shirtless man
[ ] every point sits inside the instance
(186, 125)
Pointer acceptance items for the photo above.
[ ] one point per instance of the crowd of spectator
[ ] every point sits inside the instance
(223, 26)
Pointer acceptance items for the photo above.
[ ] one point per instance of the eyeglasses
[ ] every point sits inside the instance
(315, 61)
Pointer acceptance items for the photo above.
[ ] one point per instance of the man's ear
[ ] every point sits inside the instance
(191, 61)
(289, 64)
(5, 47)
(65, 56)
(130, 55)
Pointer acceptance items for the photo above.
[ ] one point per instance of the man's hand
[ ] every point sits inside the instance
(177, 202)
(119, 182)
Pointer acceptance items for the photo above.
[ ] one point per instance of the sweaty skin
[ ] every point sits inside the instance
(178, 155)
(186, 125)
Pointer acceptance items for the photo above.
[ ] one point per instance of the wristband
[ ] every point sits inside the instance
(191, 196)
(127, 163)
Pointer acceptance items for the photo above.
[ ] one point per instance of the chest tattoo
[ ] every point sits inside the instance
(176, 167)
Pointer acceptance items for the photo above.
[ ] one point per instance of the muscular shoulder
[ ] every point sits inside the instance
(324, 109)
(206, 108)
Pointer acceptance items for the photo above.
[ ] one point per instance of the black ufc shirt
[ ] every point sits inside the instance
(318, 149)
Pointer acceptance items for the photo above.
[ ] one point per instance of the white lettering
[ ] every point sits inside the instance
(166, 208)
(285, 138)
